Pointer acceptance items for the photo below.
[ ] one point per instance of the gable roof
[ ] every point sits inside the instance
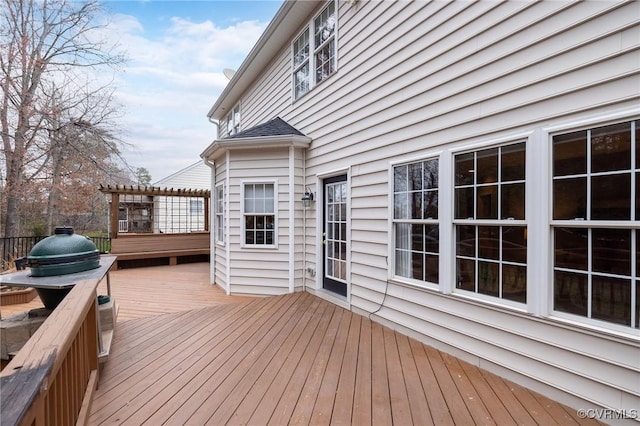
(275, 127)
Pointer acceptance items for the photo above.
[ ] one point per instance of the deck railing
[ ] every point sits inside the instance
(52, 379)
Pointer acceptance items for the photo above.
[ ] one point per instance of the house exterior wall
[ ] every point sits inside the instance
(257, 270)
(419, 80)
(220, 244)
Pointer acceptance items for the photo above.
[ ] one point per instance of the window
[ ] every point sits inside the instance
(315, 55)
(259, 214)
(415, 220)
(233, 121)
(489, 214)
(596, 240)
(219, 214)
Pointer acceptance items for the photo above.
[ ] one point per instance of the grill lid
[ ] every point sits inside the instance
(63, 253)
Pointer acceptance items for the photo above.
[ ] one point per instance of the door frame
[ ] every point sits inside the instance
(344, 301)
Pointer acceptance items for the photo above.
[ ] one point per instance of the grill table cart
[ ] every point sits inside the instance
(63, 284)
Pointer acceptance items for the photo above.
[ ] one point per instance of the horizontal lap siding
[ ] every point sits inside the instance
(220, 267)
(253, 268)
(408, 99)
(418, 77)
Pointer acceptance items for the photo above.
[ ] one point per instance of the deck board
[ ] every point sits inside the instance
(295, 359)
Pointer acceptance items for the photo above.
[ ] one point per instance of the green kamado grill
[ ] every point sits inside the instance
(61, 254)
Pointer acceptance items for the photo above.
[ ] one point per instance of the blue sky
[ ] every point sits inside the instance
(176, 53)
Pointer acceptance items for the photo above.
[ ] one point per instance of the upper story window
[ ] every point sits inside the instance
(415, 220)
(489, 213)
(259, 217)
(314, 57)
(233, 121)
(596, 208)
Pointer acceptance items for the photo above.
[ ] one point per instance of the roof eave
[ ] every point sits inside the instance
(277, 35)
(280, 141)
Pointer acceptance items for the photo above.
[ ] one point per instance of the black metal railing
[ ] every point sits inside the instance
(13, 248)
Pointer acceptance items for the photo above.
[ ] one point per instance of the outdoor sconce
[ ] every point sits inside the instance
(307, 198)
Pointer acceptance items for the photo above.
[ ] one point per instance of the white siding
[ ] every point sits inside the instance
(220, 255)
(259, 270)
(415, 78)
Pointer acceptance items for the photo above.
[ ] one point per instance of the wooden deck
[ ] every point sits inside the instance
(297, 359)
(143, 292)
(186, 354)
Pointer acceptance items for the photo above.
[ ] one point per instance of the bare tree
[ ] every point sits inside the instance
(46, 48)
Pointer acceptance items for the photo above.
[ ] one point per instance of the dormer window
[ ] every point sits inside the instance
(323, 46)
(233, 121)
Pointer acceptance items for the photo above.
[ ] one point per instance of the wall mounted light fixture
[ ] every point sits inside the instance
(307, 197)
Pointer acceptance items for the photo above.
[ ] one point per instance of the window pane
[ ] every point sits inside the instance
(464, 169)
(611, 148)
(611, 300)
(325, 24)
(249, 237)
(432, 238)
(415, 177)
(402, 235)
(466, 241)
(416, 205)
(513, 162)
(465, 274)
(570, 199)
(431, 269)
(611, 197)
(301, 48)
(464, 203)
(431, 174)
(249, 192)
(570, 293)
(487, 166)
(417, 266)
(513, 201)
(487, 198)
(400, 178)
(570, 154)
(417, 238)
(514, 283)
(324, 62)
(430, 204)
(611, 251)
(269, 237)
(514, 244)
(259, 238)
(270, 222)
(259, 222)
(401, 206)
(570, 248)
(637, 324)
(402, 263)
(488, 278)
(249, 222)
(489, 242)
(637, 196)
(302, 81)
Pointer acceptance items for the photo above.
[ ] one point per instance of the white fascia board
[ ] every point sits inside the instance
(278, 34)
(222, 145)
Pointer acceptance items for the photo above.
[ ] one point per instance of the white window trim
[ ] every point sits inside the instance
(220, 239)
(243, 183)
(391, 245)
(312, 50)
(547, 135)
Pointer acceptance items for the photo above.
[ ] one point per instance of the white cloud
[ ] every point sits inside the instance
(169, 84)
